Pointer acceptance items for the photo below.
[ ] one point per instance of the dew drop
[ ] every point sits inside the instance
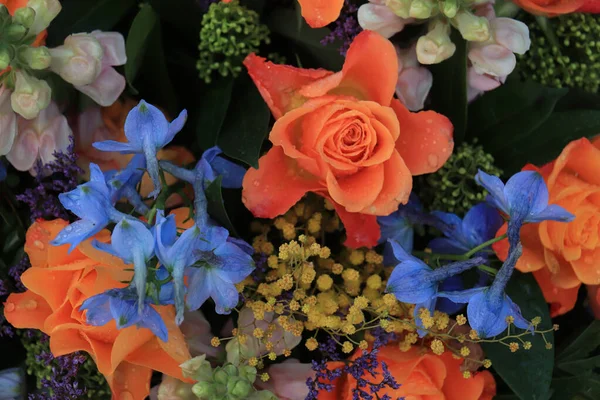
(256, 183)
(68, 228)
(31, 305)
(433, 160)
(39, 244)
(8, 307)
(126, 396)
(372, 209)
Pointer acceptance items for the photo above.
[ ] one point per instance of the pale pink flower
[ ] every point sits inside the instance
(8, 122)
(40, 138)
(31, 95)
(287, 380)
(196, 330)
(414, 80)
(87, 61)
(45, 12)
(376, 16)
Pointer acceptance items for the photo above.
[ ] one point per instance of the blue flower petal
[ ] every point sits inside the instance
(495, 187)
(224, 294)
(552, 213)
(408, 282)
(199, 287)
(480, 224)
(237, 266)
(152, 320)
(145, 121)
(106, 247)
(98, 309)
(76, 233)
(125, 312)
(526, 194)
(462, 296)
(111, 145)
(447, 246)
(12, 384)
(174, 127)
(400, 254)
(233, 174)
(248, 249)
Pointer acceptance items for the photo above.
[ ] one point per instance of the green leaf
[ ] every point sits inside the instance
(246, 124)
(288, 24)
(216, 205)
(138, 39)
(212, 110)
(449, 91)
(577, 388)
(582, 346)
(500, 118)
(527, 372)
(85, 16)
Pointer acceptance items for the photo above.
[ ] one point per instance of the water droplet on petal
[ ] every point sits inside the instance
(256, 183)
(31, 305)
(433, 160)
(126, 396)
(39, 244)
(8, 307)
(69, 228)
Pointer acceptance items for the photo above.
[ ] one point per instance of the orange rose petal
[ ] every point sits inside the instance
(26, 310)
(532, 258)
(561, 300)
(276, 185)
(456, 387)
(396, 190)
(37, 244)
(489, 385)
(61, 318)
(279, 84)
(52, 285)
(183, 219)
(425, 141)
(594, 299)
(99, 256)
(128, 341)
(67, 341)
(130, 382)
(152, 355)
(550, 8)
(587, 268)
(582, 157)
(357, 191)
(319, 13)
(362, 230)
(14, 5)
(176, 346)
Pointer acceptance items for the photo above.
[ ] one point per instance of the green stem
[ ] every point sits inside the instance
(484, 245)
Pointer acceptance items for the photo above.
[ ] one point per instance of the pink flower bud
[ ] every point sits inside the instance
(113, 46)
(492, 59)
(30, 96)
(413, 87)
(287, 380)
(40, 138)
(512, 34)
(107, 87)
(78, 60)
(8, 122)
(436, 46)
(196, 330)
(381, 19)
(478, 84)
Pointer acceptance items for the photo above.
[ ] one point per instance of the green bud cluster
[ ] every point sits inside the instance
(574, 62)
(226, 382)
(229, 33)
(88, 375)
(452, 188)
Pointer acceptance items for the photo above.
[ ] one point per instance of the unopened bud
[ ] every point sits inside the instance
(79, 60)
(30, 96)
(36, 57)
(436, 46)
(4, 14)
(450, 8)
(5, 57)
(204, 390)
(421, 9)
(238, 388)
(472, 27)
(221, 377)
(24, 16)
(45, 12)
(400, 7)
(14, 33)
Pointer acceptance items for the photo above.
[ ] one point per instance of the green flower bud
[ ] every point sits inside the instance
(15, 33)
(5, 56)
(247, 372)
(24, 16)
(197, 368)
(230, 369)
(220, 376)
(400, 7)
(36, 57)
(204, 390)
(421, 9)
(472, 27)
(450, 8)
(238, 388)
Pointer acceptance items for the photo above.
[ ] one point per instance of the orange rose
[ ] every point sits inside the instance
(422, 376)
(550, 7)
(562, 256)
(59, 282)
(107, 123)
(343, 136)
(319, 13)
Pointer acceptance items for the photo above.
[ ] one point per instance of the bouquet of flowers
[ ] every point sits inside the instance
(300, 199)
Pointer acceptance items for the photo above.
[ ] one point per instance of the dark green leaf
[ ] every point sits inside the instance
(527, 372)
(246, 124)
(216, 206)
(577, 388)
(500, 118)
(11, 241)
(85, 16)
(580, 348)
(449, 90)
(212, 110)
(287, 24)
(580, 367)
(138, 39)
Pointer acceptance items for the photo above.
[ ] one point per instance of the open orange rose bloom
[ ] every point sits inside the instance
(59, 282)
(343, 136)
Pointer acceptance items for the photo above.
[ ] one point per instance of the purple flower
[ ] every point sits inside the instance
(346, 28)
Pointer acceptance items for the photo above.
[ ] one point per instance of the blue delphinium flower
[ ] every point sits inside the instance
(147, 131)
(220, 265)
(413, 281)
(122, 306)
(123, 183)
(399, 225)
(12, 384)
(489, 307)
(176, 253)
(91, 202)
(479, 225)
(133, 243)
(524, 199)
